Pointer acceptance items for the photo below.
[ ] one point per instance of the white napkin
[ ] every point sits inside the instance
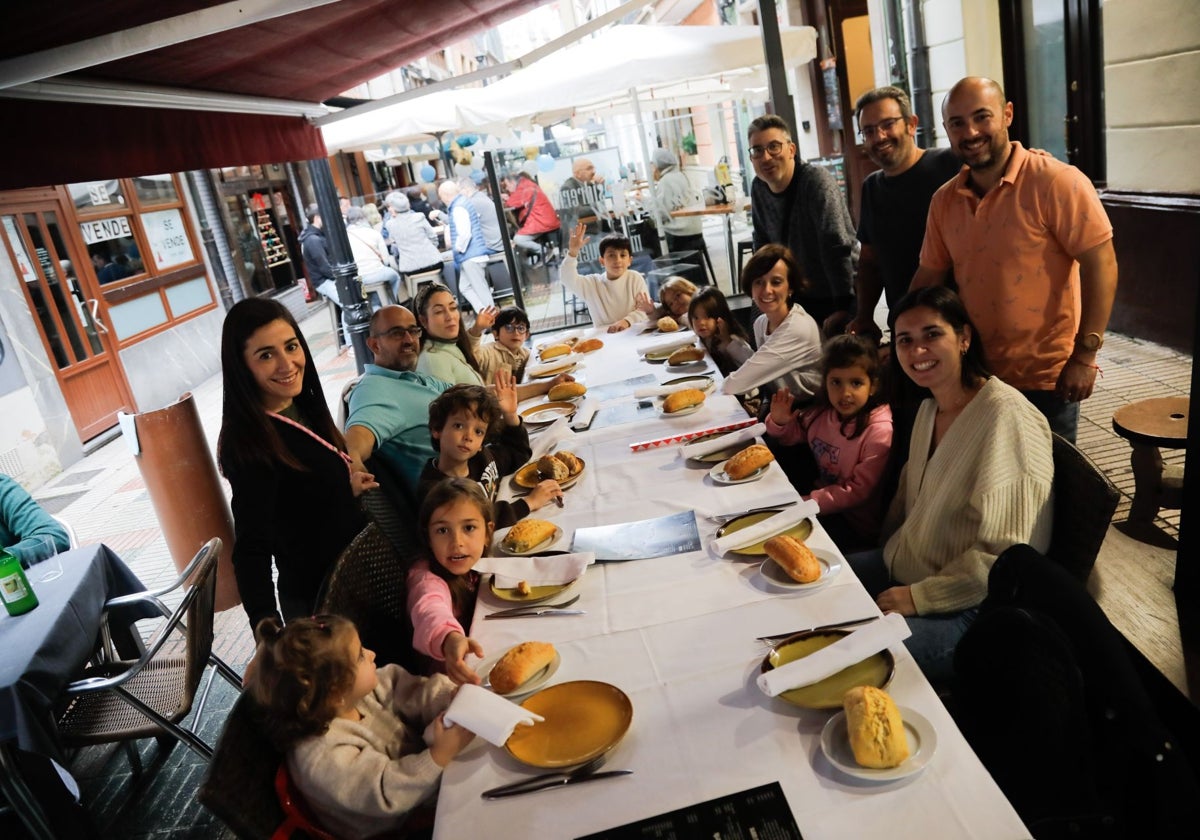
(863, 642)
(704, 447)
(537, 571)
(490, 716)
(549, 437)
(669, 343)
(663, 390)
(769, 527)
(553, 364)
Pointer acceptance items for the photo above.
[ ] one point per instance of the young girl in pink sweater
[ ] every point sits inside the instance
(456, 522)
(850, 435)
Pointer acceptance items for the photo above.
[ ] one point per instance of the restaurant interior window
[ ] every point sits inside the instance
(155, 189)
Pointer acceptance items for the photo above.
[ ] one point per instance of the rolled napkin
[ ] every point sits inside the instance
(704, 447)
(550, 437)
(553, 364)
(536, 571)
(769, 527)
(662, 390)
(488, 715)
(857, 646)
(666, 343)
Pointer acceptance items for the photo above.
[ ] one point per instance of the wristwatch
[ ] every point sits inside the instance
(1090, 343)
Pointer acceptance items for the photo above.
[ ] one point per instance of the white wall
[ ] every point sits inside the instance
(1152, 107)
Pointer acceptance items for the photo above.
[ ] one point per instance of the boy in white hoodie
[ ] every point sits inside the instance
(612, 297)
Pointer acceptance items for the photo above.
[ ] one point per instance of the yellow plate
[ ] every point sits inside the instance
(876, 670)
(799, 531)
(548, 412)
(536, 593)
(527, 478)
(554, 371)
(584, 719)
(721, 454)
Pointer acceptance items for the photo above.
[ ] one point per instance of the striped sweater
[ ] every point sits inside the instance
(989, 485)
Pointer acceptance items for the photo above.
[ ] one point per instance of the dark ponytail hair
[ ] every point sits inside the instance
(461, 341)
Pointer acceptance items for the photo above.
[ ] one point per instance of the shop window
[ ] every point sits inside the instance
(188, 296)
(137, 315)
(155, 189)
(167, 238)
(97, 195)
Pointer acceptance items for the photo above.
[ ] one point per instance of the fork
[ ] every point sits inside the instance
(532, 607)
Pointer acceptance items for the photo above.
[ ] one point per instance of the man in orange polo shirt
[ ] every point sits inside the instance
(1030, 247)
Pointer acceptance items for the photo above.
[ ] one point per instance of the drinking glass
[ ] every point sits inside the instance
(50, 568)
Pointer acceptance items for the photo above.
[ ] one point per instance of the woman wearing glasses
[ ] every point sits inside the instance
(286, 462)
(508, 351)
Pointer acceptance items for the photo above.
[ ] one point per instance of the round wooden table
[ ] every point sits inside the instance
(1149, 425)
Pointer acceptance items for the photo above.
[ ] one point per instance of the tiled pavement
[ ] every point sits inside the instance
(104, 498)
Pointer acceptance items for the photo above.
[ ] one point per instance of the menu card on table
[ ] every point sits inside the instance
(661, 537)
(761, 813)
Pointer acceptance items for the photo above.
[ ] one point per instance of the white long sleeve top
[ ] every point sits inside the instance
(790, 356)
(608, 301)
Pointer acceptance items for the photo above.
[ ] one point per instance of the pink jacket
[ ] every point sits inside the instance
(850, 469)
(431, 609)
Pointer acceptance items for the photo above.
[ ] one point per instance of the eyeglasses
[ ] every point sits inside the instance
(773, 148)
(866, 132)
(398, 333)
(519, 329)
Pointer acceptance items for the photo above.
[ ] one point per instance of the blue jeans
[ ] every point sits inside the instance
(934, 637)
(1063, 416)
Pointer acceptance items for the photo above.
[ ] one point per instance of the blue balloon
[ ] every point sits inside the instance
(427, 173)
(545, 163)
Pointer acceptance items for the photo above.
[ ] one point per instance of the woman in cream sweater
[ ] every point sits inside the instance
(979, 479)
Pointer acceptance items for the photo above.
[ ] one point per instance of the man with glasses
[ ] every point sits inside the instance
(799, 205)
(895, 200)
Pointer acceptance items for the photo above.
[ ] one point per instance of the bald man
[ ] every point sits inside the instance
(581, 195)
(1029, 245)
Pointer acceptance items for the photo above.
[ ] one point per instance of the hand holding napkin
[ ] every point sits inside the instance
(537, 571)
(704, 447)
(553, 364)
(666, 344)
(769, 527)
(488, 715)
(866, 641)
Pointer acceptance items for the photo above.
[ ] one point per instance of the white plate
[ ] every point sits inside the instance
(683, 412)
(530, 685)
(542, 546)
(705, 383)
(922, 744)
(718, 474)
(776, 576)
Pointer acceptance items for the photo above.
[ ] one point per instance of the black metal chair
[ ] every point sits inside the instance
(1084, 502)
(239, 786)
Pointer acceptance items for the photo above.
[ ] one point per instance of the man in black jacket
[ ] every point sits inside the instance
(314, 247)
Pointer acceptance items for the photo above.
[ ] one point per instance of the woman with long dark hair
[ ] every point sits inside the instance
(293, 486)
(446, 350)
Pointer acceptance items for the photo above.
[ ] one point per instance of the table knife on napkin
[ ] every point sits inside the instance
(552, 780)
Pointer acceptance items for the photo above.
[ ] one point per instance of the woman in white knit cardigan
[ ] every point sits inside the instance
(978, 479)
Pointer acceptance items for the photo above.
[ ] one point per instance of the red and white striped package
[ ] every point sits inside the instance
(644, 445)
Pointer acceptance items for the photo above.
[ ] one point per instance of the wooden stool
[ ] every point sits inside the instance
(1148, 425)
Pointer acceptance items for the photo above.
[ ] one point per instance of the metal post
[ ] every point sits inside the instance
(510, 260)
(356, 313)
(658, 207)
(781, 101)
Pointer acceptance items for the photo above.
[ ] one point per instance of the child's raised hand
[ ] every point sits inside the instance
(506, 395)
(455, 649)
(644, 302)
(781, 407)
(484, 319)
(448, 741)
(544, 493)
(578, 239)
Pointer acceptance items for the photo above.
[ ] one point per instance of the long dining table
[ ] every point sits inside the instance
(678, 635)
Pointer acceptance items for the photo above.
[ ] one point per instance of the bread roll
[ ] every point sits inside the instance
(554, 351)
(686, 354)
(794, 557)
(588, 345)
(528, 533)
(667, 324)
(520, 665)
(524, 588)
(680, 400)
(566, 391)
(550, 467)
(748, 461)
(875, 727)
(570, 461)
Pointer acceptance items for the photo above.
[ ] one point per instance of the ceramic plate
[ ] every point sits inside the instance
(532, 684)
(922, 744)
(547, 373)
(558, 532)
(721, 454)
(527, 478)
(776, 576)
(876, 670)
(699, 363)
(547, 412)
(536, 595)
(719, 475)
(583, 719)
(704, 383)
(800, 531)
(683, 412)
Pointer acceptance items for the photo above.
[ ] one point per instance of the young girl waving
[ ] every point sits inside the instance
(850, 435)
(355, 737)
(456, 522)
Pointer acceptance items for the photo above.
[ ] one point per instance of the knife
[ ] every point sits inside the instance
(537, 613)
(726, 517)
(779, 637)
(533, 785)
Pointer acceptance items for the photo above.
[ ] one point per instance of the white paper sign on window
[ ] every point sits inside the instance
(103, 230)
(169, 243)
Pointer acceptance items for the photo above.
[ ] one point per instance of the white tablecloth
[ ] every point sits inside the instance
(677, 634)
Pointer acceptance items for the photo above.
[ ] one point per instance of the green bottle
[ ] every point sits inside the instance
(15, 590)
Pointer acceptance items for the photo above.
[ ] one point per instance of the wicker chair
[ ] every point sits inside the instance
(149, 696)
(1084, 502)
(239, 786)
(367, 586)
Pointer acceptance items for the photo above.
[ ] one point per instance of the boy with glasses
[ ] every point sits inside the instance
(508, 351)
